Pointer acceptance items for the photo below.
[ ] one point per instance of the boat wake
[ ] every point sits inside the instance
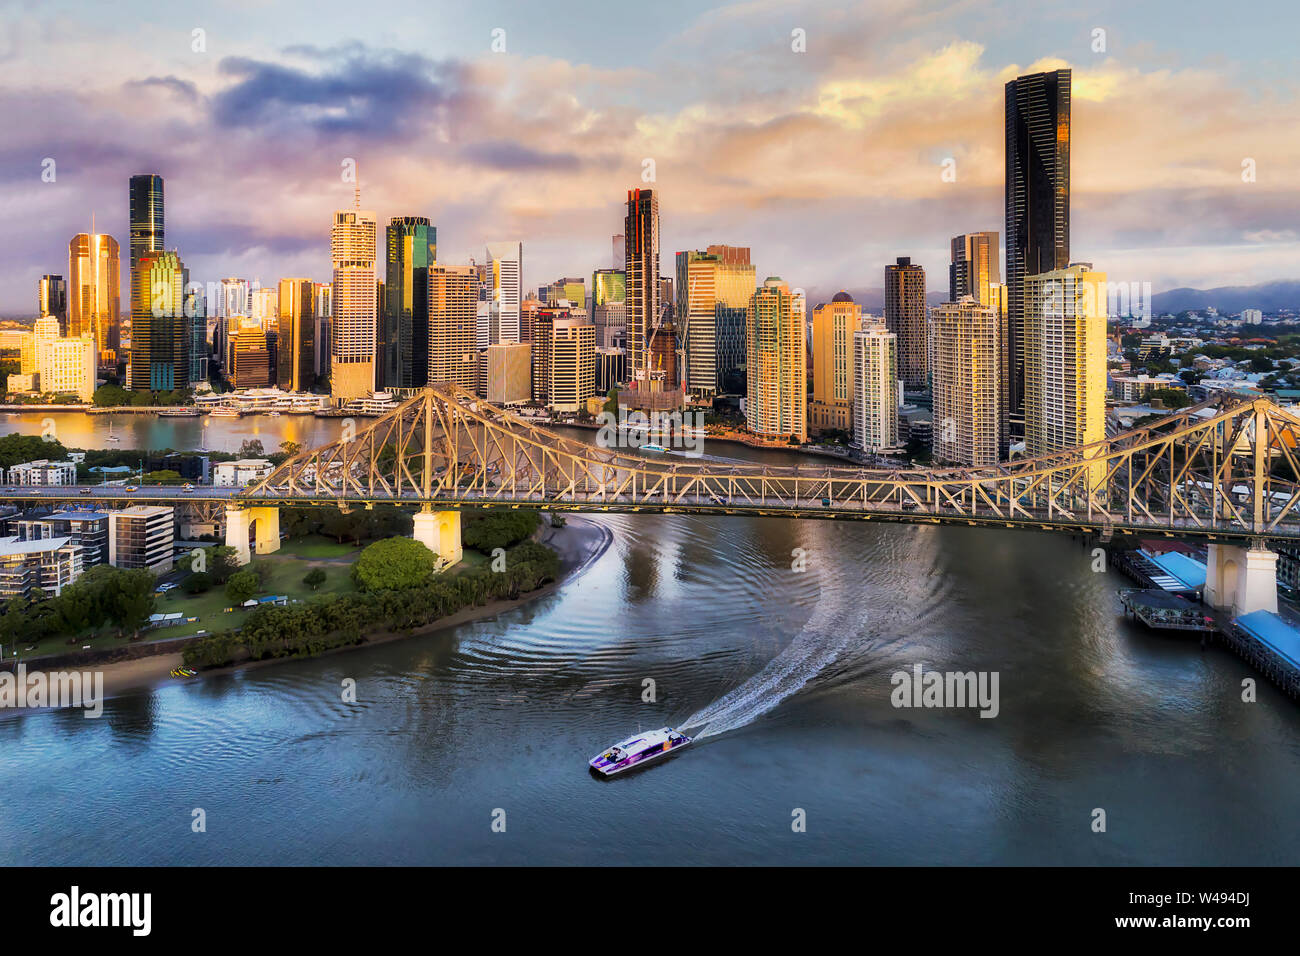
(829, 633)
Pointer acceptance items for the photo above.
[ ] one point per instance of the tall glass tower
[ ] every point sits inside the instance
(412, 247)
(1037, 205)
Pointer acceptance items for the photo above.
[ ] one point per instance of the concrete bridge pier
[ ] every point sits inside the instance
(1241, 580)
(439, 531)
(264, 522)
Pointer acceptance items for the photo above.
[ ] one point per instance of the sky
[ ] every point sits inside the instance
(828, 162)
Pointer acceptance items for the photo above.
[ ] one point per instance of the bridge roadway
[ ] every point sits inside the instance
(926, 512)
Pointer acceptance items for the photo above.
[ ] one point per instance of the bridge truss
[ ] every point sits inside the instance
(1222, 469)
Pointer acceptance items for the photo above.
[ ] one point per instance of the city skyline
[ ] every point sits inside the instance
(722, 162)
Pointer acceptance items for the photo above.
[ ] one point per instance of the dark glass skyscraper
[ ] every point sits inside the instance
(155, 363)
(412, 247)
(1037, 204)
(641, 242)
(146, 218)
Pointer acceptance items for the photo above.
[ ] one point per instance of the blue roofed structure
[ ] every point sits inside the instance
(1181, 566)
(1274, 633)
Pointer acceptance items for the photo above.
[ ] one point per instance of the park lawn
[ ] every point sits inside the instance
(285, 572)
(317, 546)
(470, 560)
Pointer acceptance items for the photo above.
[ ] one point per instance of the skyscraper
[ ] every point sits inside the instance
(52, 299)
(713, 289)
(609, 307)
(453, 308)
(905, 317)
(641, 245)
(235, 297)
(146, 218)
(1037, 204)
(1065, 359)
(776, 403)
(404, 323)
(834, 324)
(967, 405)
(505, 290)
(974, 266)
(160, 329)
(296, 338)
(875, 389)
(94, 290)
(352, 327)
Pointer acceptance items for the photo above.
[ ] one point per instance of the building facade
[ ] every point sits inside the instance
(905, 317)
(1037, 198)
(875, 393)
(777, 394)
(453, 311)
(94, 293)
(412, 247)
(160, 329)
(967, 406)
(352, 324)
(142, 536)
(641, 245)
(975, 265)
(296, 336)
(833, 326)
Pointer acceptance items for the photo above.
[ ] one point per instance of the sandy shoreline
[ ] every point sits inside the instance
(579, 543)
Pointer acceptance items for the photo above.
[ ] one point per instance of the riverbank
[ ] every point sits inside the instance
(579, 544)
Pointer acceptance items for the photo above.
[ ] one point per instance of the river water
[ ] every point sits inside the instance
(792, 668)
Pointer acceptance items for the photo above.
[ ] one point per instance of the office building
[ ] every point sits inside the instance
(571, 360)
(67, 366)
(777, 394)
(833, 326)
(713, 289)
(641, 267)
(504, 290)
(352, 325)
(147, 236)
(236, 297)
(1037, 108)
(52, 299)
(160, 329)
(508, 373)
(453, 316)
(251, 363)
(412, 247)
(296, 338)
(94, 293)
(876, 395)
(905, 317)
(967, 399)
(609, 307)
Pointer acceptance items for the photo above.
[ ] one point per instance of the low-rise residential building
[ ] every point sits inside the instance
(50, 564)
(43, 472)
(1135, 388)
(237, 474)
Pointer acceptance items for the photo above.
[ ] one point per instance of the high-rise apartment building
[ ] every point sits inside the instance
(94, 293)
(777, 393)
(412, 247)
(508, 373)
(1037, 204)
(713, 290)
(296, 338)
(160, 329)
(453, 309)
(352, 325)
(571, 363)
(974, 266)
(504, 286)
(52, 299)
(67, 366)
(1065, 359)
(833, 326)
(967, 399)
(641, 245)
(905, 317)
(142, 536)
(875, 389)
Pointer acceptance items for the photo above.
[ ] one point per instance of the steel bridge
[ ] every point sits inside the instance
(1223, 470)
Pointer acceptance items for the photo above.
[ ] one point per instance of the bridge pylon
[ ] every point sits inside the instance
(263, 521)
(1241, 580)
(439, 531)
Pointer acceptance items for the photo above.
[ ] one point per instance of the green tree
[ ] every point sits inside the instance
(197, 583)
(314, 578)
(290, 448)
(393, 564)
(164, 477)
(242, 586)
(132, 599)
(252, 448)
(223, 561)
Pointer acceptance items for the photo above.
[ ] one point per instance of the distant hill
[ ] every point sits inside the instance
(1265, 297)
